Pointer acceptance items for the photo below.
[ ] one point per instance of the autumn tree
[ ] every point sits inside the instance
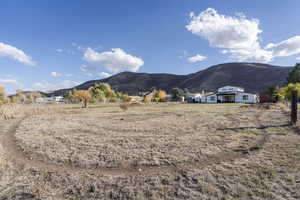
(160, 95)
(102, 91)
(147, 99)
(83, 96)
(286, 92)
(20, 96)
(2, 93)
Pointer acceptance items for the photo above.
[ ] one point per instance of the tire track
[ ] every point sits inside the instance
(15, 153)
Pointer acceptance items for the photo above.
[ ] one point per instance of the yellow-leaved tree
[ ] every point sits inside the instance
(2, 94)
(286, 92)
(160, 95)
(82, 95)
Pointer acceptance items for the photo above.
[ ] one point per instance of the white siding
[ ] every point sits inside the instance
(197, 98)
(211, 98)
(245, 98)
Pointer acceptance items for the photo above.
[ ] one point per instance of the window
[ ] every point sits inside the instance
(245, 97)
(212, 98)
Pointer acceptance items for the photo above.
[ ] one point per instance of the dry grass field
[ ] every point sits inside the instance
(153, 151)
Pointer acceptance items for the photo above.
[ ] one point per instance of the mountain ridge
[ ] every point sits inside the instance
(254, 77)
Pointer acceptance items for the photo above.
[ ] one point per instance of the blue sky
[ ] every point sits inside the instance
(55, 44)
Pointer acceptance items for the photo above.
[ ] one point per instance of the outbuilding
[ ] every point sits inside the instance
(231, 94)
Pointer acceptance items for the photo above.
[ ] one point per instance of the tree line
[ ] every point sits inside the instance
(284, 92)
(100, 92)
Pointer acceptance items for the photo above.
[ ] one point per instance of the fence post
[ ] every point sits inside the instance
(294, 107)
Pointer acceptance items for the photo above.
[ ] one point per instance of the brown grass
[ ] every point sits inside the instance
(158, 151)
(126, 106)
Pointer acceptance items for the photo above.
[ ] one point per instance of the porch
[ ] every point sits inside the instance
(226, 98)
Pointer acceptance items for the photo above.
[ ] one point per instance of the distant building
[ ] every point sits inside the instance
(196, 97)
(230, 94)
(49, 99)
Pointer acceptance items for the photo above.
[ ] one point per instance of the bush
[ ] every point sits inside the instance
(125, 98)
(156, 99)
(147, 99)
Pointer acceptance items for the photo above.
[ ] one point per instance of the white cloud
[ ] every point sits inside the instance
(238, 35)
(15, 53)
(287, 47)
(55, 74)
(59, 50)
(85, 68)
(104, 74)
(259, 55)
(46, 86)
(115, 60)
(224, 31)
(298, 58)
(12, 82)
(196, 58)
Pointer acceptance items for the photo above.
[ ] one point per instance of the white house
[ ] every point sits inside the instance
(230, 94)
(194, 98)
(49, 99)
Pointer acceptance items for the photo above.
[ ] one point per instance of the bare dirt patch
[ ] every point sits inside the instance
(158, 151)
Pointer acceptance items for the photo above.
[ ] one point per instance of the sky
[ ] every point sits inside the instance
(53, 44)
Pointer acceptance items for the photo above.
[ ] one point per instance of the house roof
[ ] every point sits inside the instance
(231, 86)
(211, 94)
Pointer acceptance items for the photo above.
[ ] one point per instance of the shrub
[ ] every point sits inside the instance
(156, 99)
(124, 106)
(125, 98)
(147, 99)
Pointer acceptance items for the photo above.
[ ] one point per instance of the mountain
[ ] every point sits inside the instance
(254, 77)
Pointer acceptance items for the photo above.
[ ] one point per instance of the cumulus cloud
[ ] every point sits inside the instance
(55, 74)
(104, 74)
(15, 54)
(287, 47)
(114, 61)
(238, 35)
(47, 86)
(196, 58)
(59, 50)
(225, 31)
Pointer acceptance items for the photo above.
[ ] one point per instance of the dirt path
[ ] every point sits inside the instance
(14, 153)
